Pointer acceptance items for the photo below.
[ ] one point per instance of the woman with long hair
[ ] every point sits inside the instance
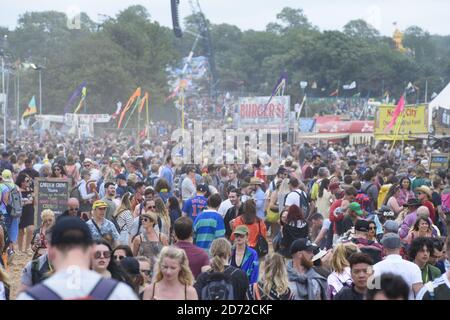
(296, 227)
(102, 263)
(124, 218)
(173, 206)
(26, 223)
(324, 198)
(341, 276)
(391, 199)
(120, 252)
(255, 225)
(58, 171)
(422, 229)
(220, 252)
(163, 215)
(173, 278)
(163, 189)
(149, 243)
(274, 283)
(405, 191)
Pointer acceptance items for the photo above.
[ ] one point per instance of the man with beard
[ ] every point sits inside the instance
(236, 210)
(304, 282)
(109, 197)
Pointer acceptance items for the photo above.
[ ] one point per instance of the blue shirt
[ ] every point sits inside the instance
(193, 206)
(260, 199)
(208, 226)
(107, 227)
(167, 174)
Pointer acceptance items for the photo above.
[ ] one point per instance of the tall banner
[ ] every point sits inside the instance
(255, 113)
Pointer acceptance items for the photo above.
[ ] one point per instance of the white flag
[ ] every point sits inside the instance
(349, 86)
(303, 84)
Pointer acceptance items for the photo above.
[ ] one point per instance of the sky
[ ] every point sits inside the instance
(431, 15)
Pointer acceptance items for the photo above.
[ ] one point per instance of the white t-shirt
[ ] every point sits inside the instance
(187, 189)
(294, 198)
(224, 206)
(394, 263)
(64, 283)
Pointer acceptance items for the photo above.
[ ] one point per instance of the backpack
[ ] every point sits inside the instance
(102, 291)
(364, 200)
(116, 224)
(304, 203)
(39, 274)
(14, 205)
(218, 286)
(261, 247)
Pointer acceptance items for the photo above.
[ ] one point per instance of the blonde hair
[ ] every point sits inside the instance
(340, 255)
(275, 274)
(152, 215)
(162, 211)
(47, 213)
(125, 204)
(220, 249)
(185, 275)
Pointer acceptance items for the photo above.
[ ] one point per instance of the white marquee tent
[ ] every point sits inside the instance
(441, 100)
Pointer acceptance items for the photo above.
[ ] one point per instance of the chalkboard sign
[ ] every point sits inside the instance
(50, 193)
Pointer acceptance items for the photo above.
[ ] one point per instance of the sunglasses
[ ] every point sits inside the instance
(372, 228)
(106, 254)
(146, 272)
(118, 257)
(151, 207)
(145, 219)
(73, 209)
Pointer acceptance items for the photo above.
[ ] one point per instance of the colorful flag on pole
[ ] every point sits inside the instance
(398, 110)
(278, 90)
(117, 112)
(31, 108)
(133, 97)
(143, 102)
(83, 97)
(301, 107)
(77, 93)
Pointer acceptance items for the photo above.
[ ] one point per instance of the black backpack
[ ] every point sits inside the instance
(219, 286)
(261, 247)
(304, 203)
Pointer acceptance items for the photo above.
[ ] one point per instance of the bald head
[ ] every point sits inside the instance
(73, 205)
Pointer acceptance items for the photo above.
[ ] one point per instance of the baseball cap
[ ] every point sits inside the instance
(131, 265)
(121, 177)
(391, 241)
(71, 230)
(202, 188)
(362, 225)
(99, 204)
(391, 226)
(302, 245)
(242, 229)
(354, 206)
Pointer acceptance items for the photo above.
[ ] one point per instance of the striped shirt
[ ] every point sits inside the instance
(208, 226)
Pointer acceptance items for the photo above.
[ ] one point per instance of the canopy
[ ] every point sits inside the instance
(346, 127)
(442, 100)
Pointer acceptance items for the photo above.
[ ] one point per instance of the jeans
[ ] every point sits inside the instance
(12, 224)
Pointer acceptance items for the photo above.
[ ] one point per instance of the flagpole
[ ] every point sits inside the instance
(18, 101)
(148, 118)
(399, 125)
(426, 90)
(337, 95)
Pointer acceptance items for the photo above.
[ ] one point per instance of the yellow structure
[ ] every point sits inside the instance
(398, 40)
(412, 121)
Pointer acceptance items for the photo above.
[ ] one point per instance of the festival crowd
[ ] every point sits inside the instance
(335, 222)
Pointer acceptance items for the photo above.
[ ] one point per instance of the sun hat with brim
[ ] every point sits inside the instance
(256, 181)
(241, 230)
(355, 207)
(6, 175)
(413, 203)
(426, 190)
(99, 204)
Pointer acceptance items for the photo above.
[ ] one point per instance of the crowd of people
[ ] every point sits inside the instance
(334, 223)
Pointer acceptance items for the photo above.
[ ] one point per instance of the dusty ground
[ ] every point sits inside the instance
(15, 271)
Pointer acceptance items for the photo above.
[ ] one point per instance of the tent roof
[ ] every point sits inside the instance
(442, 99)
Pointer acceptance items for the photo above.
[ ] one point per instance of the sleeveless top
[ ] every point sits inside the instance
(153, 292)
(149, 249)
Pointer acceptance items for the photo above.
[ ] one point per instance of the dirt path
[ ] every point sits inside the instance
(15, 272)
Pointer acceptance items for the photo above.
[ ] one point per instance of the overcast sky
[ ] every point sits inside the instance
(431, 15)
